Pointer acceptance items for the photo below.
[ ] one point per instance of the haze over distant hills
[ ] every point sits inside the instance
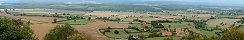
(149, 2)
(210, 1)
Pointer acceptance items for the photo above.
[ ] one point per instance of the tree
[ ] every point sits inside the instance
(131, 38)
(64, 14)
(18, 22)
(116, 32)
(56, 13)
(76, 37)
(125, 30)
(27, 33)
(28, 22)
(233, 34)
(60, 32)
(153, 35)
(6, 11)
(156, 24)
(109, 28)
(106, 30)
(10, 30)
(54, 20)
(74, 20)
(200, 24)
(117, 19)
(141, 37)
(213, 38)
(194, 36)
(230, 34)
(89, 18)
(169, 38)
(241, 21)
(212, 17)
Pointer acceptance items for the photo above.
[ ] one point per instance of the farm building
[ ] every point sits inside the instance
(166, 33)
(182, 32)
(146, 26)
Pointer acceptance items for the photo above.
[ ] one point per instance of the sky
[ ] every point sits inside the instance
(209, 1)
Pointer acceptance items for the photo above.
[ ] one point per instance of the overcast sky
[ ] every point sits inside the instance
(211, 1)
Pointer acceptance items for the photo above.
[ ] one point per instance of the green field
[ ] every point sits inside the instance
(144, 19)
(122, 34)
(35, 13)
(214, 22)
(227, 15)
(241, 28)
(78, 21)
(135, 25)
(178, 25)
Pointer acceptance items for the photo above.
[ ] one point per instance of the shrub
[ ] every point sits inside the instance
(130, 23)
(116, 32)
(153, 35)
(130, 27)
(54, 20)
(76, 37)
(12, 29)
(154, 30)
(107, 30)
(159, 26)
(126, 31)
(60, 32)
(141, 37)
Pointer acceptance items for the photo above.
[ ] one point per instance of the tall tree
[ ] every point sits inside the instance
(233, 34)
(156, 24)
(89, 18)
(60, 32)
(200, 24)
(54, 20)
(6, 11)
(27, 33)
(76, 37)
(194, 36)
(9, 30)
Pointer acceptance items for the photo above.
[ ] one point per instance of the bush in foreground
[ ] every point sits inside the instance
(12, 29)
(76, 37)
(62, 32)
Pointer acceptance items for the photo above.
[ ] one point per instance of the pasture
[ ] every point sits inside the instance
(178, 25)
(217, 22)
(76, 22)
(92, 27)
